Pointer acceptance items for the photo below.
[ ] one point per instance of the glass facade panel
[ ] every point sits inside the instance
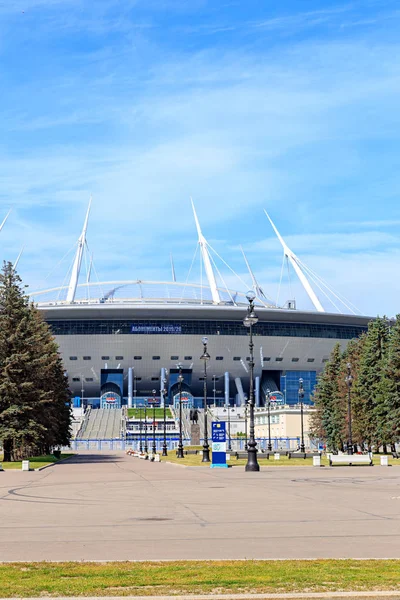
(290, 385)
(171, 327)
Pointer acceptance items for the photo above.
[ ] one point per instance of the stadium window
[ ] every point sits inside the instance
(219, 358)
(279, 359)
(76, 379)
(247, 358)
(155, 379)
(201, 378)
(105, 358)
(174, 357)
(295, 360)
(266, 358)
(88, 378)
(156, 358)
(137, 358)
(137, 378)
(73, 358)
(119, 358)
(236, 358)
(87, 358)
(324, 360)
(310, 359)
(188, 357)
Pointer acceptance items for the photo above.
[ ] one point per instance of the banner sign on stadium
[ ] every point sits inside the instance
(218, 429)
(140, 328)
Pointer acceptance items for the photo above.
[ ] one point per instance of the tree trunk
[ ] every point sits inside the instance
(7, 450)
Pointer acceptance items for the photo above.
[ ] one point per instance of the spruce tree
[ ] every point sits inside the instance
(392, 384)
(327, 422)
(33, 391)
(371, 385)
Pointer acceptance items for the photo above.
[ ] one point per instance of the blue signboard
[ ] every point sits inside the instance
(219, 444)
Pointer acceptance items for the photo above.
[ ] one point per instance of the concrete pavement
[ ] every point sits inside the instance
(114, 507)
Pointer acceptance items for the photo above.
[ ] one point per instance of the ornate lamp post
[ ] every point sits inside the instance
(140, 430)
(164, 393)
(205, 357)
(250, 320)
(229, 426)
(301, 397)
(268, 398)
(154, 449)
(180, 445)
(146, 449)
(245, 424)
(349, 381)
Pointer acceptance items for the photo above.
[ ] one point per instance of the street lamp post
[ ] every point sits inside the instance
(164, 393)
(245, 424)
(146, 449)
(205, 357)
(349, 381)
(229, 426)
(250, 320)
(154, 449)
(180, 445)
(140, 430)
(268, 398)
(301, 397)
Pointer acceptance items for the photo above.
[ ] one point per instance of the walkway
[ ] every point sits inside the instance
(112, 506)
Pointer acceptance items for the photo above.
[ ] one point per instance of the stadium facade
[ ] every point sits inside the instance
(120, 340)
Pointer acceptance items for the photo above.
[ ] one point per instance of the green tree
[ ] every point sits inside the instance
(33, 389)
(327, 422)
(372, 386)
(392, 384)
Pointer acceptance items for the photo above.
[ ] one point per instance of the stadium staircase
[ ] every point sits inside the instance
(102, 424)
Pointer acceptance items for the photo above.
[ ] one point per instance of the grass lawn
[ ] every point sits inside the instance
(194, 460)
(196, 577)
(35, 461)
(134, 413)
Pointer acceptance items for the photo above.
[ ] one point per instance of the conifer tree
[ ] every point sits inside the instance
(327, 422)
(392, 383)
(33, 390)
(371, 384)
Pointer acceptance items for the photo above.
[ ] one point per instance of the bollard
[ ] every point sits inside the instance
(25, 465)
(384, 461)
(277, 456)
(316, 461)
(228, 457)
(1, 467)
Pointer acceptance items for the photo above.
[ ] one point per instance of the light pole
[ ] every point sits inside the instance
(214, 390)
(268, 397)
(154, 449)
(180, 445)
(245, 424)
(140, 430)
(145, 427)
(349, 381)
(250, 320)
(229, 426)
(301, 397)
(164, 393)
(205, 357)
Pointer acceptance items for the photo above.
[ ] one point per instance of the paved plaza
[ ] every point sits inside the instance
(115, 507)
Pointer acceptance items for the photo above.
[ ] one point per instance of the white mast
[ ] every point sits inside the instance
(18, 257)
(172, 268)
(5, 219)
(257, 290)
(206, 260)
(73, 282)
(295, 264)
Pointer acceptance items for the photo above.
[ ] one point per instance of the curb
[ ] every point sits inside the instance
(227, 596)
(53, 464)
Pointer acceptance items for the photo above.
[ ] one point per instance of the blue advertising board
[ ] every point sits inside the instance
(218, 429)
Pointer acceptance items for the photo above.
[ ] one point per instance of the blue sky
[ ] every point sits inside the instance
(292, 106)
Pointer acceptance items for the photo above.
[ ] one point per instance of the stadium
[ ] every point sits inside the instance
(120, 340)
